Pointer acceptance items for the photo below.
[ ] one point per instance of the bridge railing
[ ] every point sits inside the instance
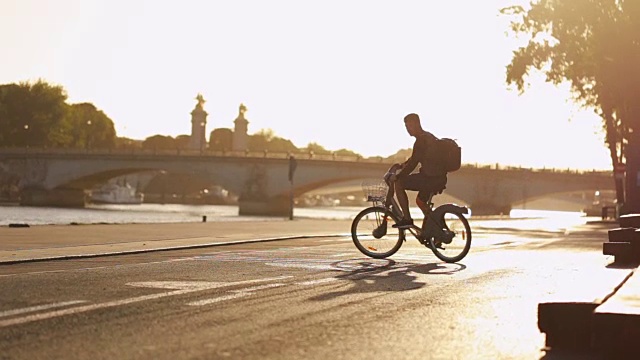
(266, 154)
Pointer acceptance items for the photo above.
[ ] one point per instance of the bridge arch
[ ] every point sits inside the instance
(262, 180)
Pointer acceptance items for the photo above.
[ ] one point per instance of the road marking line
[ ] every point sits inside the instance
(302, 266)
(81, 309)
(39, 307)
(179, 285)
(199, 285)
(86, 308)
(237, 294)
(318, 281)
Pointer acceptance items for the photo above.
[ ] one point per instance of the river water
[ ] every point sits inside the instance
(157, 213)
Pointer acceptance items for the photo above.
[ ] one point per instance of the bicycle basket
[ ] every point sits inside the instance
(375, 190)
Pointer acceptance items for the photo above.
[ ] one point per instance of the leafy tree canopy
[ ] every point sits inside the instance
(594, 45)
(37, 115)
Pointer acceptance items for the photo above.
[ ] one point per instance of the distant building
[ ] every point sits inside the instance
(198, 139)
(240, 136)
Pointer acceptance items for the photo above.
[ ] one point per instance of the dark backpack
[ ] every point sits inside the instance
(450, 154)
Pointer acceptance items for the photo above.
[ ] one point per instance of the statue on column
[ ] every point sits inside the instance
(201, 101)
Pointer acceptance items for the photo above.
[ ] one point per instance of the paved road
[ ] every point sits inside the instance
(312, 298)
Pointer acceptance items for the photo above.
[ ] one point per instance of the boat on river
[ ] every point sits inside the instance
(111, 193)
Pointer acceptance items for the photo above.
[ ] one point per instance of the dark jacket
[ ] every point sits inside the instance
(424, 153)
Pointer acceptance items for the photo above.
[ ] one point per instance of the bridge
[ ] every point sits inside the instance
(59, 177)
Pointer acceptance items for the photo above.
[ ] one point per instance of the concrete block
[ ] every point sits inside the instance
(616, 322)
(622, 234)
(567, 325)
(635, 238)
(616, 248)
(630, 220)
(566, 318)
(624, 252)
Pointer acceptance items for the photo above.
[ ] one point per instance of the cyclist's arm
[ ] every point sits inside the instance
(412, 162)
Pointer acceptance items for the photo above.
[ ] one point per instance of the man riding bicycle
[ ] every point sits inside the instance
(432, 176)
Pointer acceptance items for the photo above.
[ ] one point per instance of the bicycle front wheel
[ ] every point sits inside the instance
(456, 242)
(373, 233)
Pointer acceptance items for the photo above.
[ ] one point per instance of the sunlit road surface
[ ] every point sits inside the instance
(311, 299)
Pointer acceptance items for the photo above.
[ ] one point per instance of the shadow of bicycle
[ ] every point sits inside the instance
(384, 275)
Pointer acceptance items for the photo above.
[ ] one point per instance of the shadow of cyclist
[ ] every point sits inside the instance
(384, 276)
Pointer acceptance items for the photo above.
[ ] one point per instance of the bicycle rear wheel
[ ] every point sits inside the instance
(455, 245)
(373, 234)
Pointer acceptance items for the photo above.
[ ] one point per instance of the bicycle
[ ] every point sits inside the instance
(445, 229)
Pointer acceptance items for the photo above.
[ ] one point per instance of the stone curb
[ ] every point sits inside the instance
(170, 248)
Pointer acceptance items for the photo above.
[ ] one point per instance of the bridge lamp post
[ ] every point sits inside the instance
(203, 137)
(88, 135)
(26, 136)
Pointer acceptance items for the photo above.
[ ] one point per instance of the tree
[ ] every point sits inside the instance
(281, 145)
(345, 152)
(221, 139)
(28, 112)
(159, 142)
(127, 143)
(595, 46)
(266, 139)
(316, 148)
(85, 126)
(182, 141)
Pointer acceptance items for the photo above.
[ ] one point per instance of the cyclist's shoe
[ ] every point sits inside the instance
(403, 224)
(448, 236)
(381, 230)
(437, 243)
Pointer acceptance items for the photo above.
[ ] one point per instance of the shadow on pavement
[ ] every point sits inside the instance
(370, 275)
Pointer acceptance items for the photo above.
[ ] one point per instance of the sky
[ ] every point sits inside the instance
(341, 73)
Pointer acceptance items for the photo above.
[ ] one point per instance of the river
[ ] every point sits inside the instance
(157, 213)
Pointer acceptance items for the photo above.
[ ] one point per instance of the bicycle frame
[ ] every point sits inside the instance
(431, 227)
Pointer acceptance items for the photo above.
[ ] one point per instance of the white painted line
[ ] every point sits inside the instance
(258, 288)
(318, 281)
(39, 307)
(237, 294)
(199, 285)
(303, 266)
(81, 309)
(218, 299)
(179, 285)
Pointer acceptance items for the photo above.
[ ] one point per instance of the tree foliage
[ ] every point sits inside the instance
(316, 148)
(37, 115)
(266, 140)
(28, 112)
(85, 126)
(594, 45)
(159, 142)
(221, 139)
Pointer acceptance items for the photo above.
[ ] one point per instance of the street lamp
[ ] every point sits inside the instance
(26, 129)
(86, 141)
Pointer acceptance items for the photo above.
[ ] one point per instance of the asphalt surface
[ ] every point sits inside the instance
(309, 297)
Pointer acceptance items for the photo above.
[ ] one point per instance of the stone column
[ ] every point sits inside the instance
(198, 139)
(240, 136)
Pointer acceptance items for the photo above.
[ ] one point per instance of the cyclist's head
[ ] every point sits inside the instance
(412, 123)
(412, 117)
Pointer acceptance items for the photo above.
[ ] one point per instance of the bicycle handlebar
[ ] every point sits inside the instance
(392, 170)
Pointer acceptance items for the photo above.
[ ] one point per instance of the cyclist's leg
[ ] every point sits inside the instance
(430, 185)
(411, 182)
